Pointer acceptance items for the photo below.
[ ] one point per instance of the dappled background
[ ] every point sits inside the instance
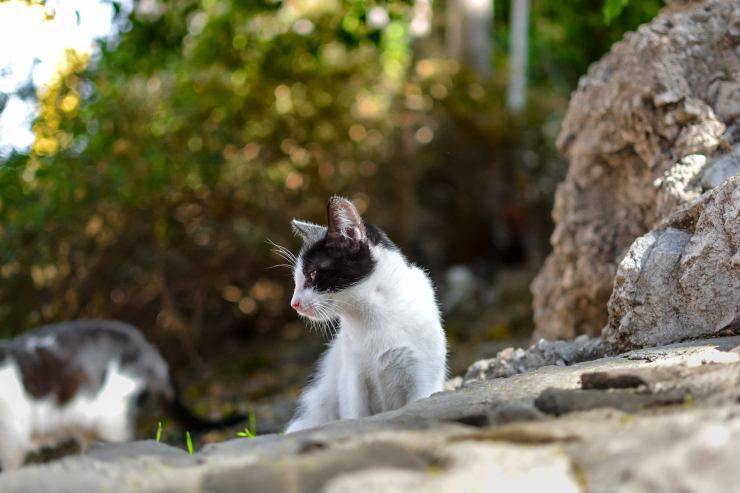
(164, 159)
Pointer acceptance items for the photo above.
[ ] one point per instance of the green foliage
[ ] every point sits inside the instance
(612, 9)
(200, 135)
(566, 37)
(160, 170)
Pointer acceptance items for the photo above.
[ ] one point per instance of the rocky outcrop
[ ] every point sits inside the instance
(512, 361)
(681, 280)
(648, 130)
(651, 420)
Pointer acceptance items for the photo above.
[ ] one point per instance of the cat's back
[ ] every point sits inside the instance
(394, 267)
(92, 339)
(66, 357)
(413, 292)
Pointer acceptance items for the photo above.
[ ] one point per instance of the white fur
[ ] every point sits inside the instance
(33, 343)
(27, 424)
(391, 311)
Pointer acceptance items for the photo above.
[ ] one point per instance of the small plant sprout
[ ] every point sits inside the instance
(158, 436)
(189, 442)
(245, 434)
(251, 430)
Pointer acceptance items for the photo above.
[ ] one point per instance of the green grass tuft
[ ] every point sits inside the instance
(251, 430)
(245, 434)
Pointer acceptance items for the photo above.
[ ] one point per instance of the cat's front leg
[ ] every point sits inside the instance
(319, 402)
(405, 377)
(316, 406)
(353, 394)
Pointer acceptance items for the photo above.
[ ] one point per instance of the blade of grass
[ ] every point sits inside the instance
(158, 437)
(252, 423)
(189, 442)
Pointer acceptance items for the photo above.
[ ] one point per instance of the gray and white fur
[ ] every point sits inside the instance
(389, 347)
(82, 380)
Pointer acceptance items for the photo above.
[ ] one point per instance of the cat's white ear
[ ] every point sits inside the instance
(309, 232)
(344, 221)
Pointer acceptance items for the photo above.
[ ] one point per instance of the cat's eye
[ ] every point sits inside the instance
(312, 276)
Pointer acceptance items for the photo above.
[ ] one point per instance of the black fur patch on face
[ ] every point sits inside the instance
(339, 264)
(330, 266)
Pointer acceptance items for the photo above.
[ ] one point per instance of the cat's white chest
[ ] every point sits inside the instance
(103, 414)
(28, 423)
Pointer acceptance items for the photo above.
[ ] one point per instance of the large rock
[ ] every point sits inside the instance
(681, 280)
(649, 129)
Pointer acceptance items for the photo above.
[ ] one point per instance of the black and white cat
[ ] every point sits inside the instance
(390, 347)
(83, 380)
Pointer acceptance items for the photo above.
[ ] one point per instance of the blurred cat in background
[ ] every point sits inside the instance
(82, 380)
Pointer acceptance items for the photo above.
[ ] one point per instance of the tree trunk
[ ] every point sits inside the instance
(518, 55)
(469, 38)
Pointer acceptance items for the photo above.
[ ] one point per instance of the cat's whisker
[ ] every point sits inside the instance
(285, 257)
(329, 318)
(277, 246)
(321, 310)
(283, 252)
(340, 304)
(314, 326)
(334, 326)
(337, 301)
(333, 311)
(320, 326)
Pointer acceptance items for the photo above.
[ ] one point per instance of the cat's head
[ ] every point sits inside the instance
(334, 258)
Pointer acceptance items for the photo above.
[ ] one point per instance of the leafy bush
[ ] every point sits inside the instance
(161, 167)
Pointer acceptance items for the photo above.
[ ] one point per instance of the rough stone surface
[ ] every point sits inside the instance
(682, 4)
(585, 443)
(559, 401)
(512, 361)
(312, 470)
(650, 127)
(137, 466)
(682, 279)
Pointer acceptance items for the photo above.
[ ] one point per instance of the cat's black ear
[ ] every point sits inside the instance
(309, 232)
(344, 221)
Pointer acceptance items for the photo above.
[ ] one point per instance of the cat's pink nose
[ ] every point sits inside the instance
(295, 304)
